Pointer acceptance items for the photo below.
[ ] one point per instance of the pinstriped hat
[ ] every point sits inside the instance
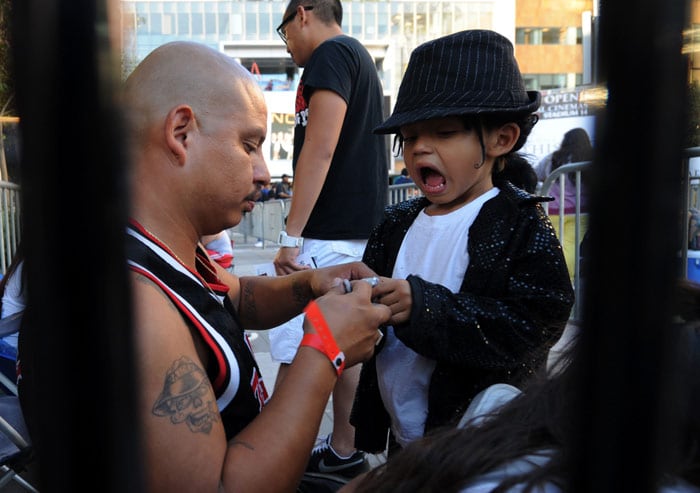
(466, 73)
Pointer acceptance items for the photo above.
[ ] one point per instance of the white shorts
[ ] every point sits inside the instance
(285, 338)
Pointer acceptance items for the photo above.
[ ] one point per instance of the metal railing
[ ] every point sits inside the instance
(559, 175)
(9, 221)
(267, 219)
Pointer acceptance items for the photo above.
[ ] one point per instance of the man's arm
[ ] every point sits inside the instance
(184, 441)
(263, 302)
(326, 115)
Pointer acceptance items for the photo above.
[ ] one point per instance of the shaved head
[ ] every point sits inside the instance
(184, 73)
(196, 121)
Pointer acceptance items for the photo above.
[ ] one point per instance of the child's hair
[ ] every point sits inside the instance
(518, 171)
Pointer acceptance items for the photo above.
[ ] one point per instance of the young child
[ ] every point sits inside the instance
(473, 273)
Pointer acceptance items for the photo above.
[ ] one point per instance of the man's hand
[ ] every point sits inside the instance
(327, 278)
(353, 320)
(285, 261)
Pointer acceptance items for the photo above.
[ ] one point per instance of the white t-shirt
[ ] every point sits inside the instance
(435, 249)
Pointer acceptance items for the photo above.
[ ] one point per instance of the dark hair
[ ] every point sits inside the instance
(327, 11)
(575, 147)
(517, 170)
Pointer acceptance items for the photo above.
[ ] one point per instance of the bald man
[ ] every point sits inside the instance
(197, 122)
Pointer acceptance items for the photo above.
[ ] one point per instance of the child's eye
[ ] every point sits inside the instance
(446, 133)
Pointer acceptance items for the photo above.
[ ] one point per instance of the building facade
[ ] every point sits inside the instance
(549, 37)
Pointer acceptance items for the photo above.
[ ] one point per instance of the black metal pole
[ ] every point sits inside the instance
(624, 427)
(76, 344)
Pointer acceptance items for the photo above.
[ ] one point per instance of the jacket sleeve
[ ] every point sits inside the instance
(510, 304)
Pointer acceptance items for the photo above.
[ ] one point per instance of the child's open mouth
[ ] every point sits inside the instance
(433, 182)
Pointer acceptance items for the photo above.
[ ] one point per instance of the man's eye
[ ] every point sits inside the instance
(408, 140)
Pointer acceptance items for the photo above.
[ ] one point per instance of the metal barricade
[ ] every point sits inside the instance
(559, 175)
(403, 191)
(265, 221)
(9, 221)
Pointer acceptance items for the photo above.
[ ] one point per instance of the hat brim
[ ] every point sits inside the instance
(398, 119)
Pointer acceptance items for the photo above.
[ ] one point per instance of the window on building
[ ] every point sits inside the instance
(197, 24)
(210, 23)
(538, 82)
(183, 23)
(548, 35)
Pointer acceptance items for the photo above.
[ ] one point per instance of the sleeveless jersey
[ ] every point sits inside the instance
(202, 300)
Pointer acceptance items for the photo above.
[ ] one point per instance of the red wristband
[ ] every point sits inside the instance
(323, 339)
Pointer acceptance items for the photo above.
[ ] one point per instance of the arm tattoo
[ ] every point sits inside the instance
(300, 293)
(248, 301)
(187, 396)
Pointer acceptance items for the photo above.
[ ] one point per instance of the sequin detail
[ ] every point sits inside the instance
(514, 301)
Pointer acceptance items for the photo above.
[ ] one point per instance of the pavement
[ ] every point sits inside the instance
(247, 260)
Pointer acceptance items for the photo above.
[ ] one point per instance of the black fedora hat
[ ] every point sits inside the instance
(466, 73)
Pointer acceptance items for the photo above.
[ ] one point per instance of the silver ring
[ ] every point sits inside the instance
(381, 335)
(347, 286)
(372, 281)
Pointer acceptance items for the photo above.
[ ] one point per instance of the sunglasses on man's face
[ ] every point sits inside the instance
(281, 28)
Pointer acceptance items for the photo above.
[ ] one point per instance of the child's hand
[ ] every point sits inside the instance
(396, 294)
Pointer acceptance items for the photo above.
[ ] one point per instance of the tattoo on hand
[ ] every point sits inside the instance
(188, 397)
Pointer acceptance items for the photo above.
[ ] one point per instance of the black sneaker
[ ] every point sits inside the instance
(324, 460)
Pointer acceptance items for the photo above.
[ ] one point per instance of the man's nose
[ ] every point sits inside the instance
(261, 174)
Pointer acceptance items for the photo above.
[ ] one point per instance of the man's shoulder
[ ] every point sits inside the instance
(342, 44)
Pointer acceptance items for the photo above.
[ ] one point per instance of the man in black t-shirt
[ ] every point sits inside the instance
(340, 183)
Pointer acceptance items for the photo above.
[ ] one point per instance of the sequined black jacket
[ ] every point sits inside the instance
(513, 303)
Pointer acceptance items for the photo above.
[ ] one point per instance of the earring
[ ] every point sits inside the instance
(478, 165)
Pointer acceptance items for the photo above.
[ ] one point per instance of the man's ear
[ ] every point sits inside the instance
(504, 138)
(179, 124)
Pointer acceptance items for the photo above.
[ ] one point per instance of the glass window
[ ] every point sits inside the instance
(168, 6)
(548, 35)
(251, 25)
(183, 23)
(383, 20)
(552, 36)
(356, 25)
(197, 23)
(210, 23)
(264, 27)
(156, 24)
(370, 20)
(224, 24)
